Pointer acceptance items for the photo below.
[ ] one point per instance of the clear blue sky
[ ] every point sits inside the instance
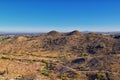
(60, 15)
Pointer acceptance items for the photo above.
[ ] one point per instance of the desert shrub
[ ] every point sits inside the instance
(4, 57)
(84, 54)
(101, 76)
(48, 64)
(45, 72)
(64, 78)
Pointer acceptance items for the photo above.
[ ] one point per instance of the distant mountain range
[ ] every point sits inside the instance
(26, 33)
(114, 32)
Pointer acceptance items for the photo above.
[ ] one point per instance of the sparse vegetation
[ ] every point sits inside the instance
(6, 58)
(57, 56)
(44, 72)
(101, 76)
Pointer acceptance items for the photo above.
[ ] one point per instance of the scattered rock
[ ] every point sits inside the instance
(2, 71)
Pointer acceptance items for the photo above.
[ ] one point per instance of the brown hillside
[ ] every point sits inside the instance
(77, 33)
(21, 38)
(54, 56)
(54, 33)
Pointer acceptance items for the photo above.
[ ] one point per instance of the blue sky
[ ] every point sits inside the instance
(60, 15)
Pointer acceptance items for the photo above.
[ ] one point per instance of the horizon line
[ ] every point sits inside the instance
(52, 30)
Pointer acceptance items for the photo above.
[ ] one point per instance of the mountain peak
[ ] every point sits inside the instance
(75, 32)
(54, 33)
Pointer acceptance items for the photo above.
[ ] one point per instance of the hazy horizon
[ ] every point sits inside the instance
(53, 30)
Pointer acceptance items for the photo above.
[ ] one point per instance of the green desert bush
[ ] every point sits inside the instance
(6, 58)
(101, 76)
(45, 72)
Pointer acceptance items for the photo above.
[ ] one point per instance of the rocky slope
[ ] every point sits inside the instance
(60, 56)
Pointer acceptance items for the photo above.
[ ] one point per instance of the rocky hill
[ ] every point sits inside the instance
(58, 56)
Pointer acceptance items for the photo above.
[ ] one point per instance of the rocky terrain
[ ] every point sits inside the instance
(58, 56)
